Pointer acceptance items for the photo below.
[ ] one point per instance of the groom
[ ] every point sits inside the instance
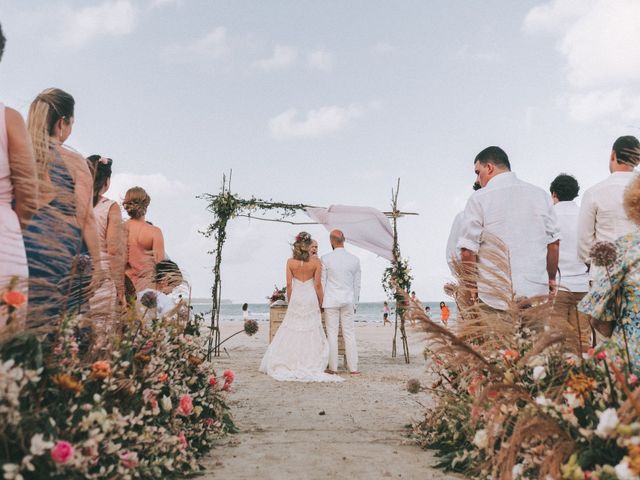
(341, 284)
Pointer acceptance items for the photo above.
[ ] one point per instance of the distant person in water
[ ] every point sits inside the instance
(245, 311)
(444, 313)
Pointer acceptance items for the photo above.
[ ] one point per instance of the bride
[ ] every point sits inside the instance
(299, 351)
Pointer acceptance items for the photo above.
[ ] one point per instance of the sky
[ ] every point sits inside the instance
(327, 102)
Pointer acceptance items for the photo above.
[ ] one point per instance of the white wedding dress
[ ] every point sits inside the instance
(299, 351)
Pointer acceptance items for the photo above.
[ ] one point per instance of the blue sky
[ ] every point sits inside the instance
(328, 102)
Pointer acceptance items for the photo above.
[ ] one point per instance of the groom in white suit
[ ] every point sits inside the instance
(341, 284)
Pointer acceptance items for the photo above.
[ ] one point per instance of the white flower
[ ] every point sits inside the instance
(608, 422)
(573, 400)
(166, 404)
(39, 445)
(12, 471)
(517, 470)
(543, 401)
(480, 439)
(539, 373)
(623, 472)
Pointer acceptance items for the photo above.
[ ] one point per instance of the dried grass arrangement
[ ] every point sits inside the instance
(519, 396)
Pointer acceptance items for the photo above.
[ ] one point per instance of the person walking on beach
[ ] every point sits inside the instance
(386, 311)
(245, 311)
(602, 216)
(444, 313)
(341, 282)
(521, 217)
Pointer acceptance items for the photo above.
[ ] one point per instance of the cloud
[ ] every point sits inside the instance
(212, 45)
(316, 123)
(383, 48)
(283, 57)
(111, 18)
(165, 3)
(320, 60)
(157, 185)
(600, 41)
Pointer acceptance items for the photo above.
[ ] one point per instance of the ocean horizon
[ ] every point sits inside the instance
(368, 312)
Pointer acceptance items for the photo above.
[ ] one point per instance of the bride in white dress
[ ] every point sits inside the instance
(299, 351)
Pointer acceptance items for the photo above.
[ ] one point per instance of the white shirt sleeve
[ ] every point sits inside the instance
(472, 225)
(551, 225)
(586, 226)
(323, 273)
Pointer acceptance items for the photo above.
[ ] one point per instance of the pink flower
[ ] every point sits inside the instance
(227, 386)
(129, 459)
(591, 351)
(163, 377)
(633, 379)
(62, 452)
(186, 405)
(183, 441)
(213, 381)
(229, 376)
(208, 422)
(601, 355)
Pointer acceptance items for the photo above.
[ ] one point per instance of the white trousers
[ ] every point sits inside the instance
(333, 318)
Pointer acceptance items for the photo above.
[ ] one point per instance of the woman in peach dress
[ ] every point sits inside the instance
(145, 243)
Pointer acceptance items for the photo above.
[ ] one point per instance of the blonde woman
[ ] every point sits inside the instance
(299, 351)
(145, 242)
(61, 240)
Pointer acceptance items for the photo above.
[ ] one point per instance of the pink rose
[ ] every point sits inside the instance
(227, 386)
(632, 379)
(186, 405)
(601, 355)
(129, 459)
(183, 441)
(62, 452)
(229, 376)
(213, 381)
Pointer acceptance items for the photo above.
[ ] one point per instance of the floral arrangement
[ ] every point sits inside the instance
(148, 409)
(521, 396)
(397, 279)
(279, 294)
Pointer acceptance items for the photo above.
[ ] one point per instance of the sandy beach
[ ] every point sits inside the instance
(351, 430)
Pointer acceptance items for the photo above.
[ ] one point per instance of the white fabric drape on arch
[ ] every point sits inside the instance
(364, 227)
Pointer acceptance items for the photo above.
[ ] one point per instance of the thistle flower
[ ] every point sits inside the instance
(250, 327)
(149, 300)
(603, 254)
(413, 385)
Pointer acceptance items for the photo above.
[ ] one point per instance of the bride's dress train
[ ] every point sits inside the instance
(299, 351)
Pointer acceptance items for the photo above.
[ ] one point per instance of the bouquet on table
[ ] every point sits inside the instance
(278, 295)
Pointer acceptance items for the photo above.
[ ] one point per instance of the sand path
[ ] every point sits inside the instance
(350, 430)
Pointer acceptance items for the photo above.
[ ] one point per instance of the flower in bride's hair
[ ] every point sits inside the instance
(250, 327)
(603, 254)
(413, 385)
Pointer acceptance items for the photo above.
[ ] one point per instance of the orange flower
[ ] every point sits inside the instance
(13, 298)
(101, 369)
(580, 384)
(634, 459)
(163, 377)
(510, 355)
(195, 361)
(67, 382)
(142, 358)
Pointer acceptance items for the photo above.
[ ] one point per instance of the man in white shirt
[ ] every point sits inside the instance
(602, 216)
(574, 276)
(521, 217)
(341, 284)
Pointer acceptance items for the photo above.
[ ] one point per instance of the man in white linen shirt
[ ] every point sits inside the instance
(602, 216)
(518, 214)
(574, 276)
(341, 284)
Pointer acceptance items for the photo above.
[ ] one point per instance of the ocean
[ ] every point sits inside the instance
(369, 312)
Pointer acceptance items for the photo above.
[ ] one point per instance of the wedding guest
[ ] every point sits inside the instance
(314, 248)
(144, 241)
(444, 313)
(574, 277)
(167, 277)
(110, 294)
(245, 311)
(623, 278)
(61, 239)
(452, 252)
(519, 215)
(18, 201)
(602, 216)
(386, 311)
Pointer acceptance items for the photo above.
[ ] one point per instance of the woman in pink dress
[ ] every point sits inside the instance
(110, 294)
(18, 201)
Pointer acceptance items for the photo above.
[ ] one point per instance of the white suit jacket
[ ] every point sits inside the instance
(340, 279)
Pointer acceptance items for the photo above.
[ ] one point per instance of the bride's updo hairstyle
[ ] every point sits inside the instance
(136, 202)
(302, 247)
